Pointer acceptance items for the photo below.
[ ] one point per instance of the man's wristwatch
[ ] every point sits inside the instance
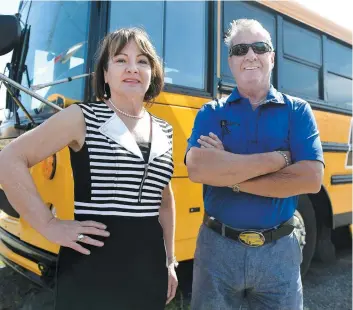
(286, 159)
(236, 188)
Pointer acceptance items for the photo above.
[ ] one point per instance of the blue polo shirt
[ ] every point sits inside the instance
(283, 123)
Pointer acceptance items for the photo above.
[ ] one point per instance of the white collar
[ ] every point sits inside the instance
(115, 129)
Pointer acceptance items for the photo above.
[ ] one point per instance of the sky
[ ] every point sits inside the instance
(336, 10)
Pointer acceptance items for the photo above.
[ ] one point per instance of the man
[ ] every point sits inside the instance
(255, 152)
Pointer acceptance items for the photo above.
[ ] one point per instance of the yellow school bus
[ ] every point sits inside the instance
(55, 55)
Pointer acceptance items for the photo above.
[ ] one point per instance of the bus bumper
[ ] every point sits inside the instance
(37, 265)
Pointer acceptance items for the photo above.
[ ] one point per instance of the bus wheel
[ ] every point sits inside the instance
(325, 249)
(307, 231)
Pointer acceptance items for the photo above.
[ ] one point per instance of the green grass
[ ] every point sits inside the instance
(174, 305)
(178, 303)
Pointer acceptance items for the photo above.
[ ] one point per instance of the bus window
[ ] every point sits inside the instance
(299, 79)
(301, 43)
(339, 91)
(234, 10)
(52, 53)
(339, 76)
(185, 44)
(302, 61)
(339, 58)
(181, 44)
(145, 14)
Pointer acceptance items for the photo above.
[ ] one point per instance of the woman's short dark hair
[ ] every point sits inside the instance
(113, 44)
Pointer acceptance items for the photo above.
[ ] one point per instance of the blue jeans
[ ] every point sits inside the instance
(229, 275)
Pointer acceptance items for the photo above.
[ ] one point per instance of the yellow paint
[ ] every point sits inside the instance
(60, 100)
(57, 192)
(187, 195)
(333, 127)
(19, 260)
(185, 249)
(182, 119)
(10, 224)
(180, 100)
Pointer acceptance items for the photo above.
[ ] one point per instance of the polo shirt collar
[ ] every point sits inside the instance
(273, 96)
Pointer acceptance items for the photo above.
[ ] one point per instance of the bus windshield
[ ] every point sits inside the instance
(57, 49)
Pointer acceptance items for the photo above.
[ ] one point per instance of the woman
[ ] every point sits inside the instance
(114, 254)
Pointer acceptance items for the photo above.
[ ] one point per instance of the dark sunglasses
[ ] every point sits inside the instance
(242, 49)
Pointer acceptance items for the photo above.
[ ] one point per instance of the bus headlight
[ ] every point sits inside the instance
(49, 167)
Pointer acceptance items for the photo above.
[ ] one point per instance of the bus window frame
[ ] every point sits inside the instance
(22, 121)
(321, 103)
(100, 11)
(210, 59)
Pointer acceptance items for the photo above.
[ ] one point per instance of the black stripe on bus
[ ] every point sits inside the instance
(341, 179)
(320, 105)
(335, 147)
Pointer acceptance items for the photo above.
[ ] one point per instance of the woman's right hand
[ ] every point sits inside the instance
(66, 233)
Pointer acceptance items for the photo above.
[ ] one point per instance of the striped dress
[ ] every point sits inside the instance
(116, 185)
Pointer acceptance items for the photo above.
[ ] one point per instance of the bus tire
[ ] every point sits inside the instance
(306, 215)
(325, 249)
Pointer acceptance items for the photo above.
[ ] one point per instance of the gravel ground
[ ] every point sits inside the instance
(329, 286)
(325, 287)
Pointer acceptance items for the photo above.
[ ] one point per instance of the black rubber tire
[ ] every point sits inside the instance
(325, 249)
(307, 212)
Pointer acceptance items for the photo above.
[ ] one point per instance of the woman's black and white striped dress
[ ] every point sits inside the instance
(115, 185)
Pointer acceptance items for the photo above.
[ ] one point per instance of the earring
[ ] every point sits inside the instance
(105, 95)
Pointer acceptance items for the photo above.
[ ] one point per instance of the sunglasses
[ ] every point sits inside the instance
(242, 49)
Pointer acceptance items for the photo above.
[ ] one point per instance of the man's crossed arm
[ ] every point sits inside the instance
(262, 174)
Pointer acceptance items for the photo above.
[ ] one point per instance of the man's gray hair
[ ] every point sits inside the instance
(245, 24)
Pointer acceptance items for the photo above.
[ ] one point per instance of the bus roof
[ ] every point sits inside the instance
(304, 15)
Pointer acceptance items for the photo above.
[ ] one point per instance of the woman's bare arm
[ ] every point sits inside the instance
(66, 128)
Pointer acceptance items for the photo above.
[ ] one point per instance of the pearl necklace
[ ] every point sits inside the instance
(126, 114)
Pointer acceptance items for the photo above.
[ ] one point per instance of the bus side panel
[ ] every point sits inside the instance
(336, 161)
(333, 127)
(189, 213)
(340, 194)
(57, 192)
(188, 195)
(182, 120)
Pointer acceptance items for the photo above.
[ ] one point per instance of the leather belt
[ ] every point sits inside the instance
(250, 237)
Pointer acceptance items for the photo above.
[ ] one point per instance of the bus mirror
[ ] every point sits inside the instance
(10, 33)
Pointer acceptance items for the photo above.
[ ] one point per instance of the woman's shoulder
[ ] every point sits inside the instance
(91, 104)
(94, 107)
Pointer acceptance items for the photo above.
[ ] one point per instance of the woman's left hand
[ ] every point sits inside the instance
(172, 283)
